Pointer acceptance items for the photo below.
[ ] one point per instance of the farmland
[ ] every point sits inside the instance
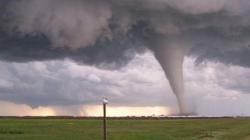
(125, 129)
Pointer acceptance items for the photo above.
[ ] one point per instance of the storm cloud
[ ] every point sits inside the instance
(109, 34)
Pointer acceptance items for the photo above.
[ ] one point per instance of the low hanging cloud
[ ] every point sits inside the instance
(65, 23)
(110, 33)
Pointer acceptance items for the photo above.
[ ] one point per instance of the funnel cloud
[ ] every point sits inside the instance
(171, 57)
(109, 33)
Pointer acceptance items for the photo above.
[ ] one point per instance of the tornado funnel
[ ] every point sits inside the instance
(171, 57)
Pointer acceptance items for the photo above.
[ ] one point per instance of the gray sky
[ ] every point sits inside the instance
(64, 56)
(211, 88)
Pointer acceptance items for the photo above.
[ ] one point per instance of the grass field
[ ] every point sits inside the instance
(91, 129)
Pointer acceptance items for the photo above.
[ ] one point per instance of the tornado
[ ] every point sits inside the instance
(171, 55)
(108, 34)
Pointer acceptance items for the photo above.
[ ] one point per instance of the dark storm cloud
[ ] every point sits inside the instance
(238, 57)
(29, 48)
(107, 33)
(32, 40)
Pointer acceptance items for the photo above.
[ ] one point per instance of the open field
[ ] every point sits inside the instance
(125, 129)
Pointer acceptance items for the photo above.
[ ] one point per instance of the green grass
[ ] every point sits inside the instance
(176, 129)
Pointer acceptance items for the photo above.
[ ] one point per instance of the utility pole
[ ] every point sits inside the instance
(105, 102)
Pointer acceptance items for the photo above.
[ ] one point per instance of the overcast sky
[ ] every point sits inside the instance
(66, 88)
(62, 57)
